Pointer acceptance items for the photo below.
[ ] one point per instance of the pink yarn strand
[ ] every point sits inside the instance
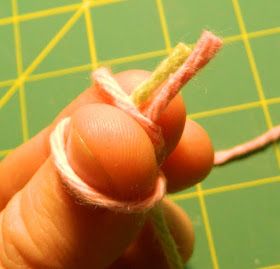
(223, 156)
(206, 48)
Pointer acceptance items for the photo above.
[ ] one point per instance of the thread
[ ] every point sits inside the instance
(223, 156)
(160, 74)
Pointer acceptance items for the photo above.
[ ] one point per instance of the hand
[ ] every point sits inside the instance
(42, 225)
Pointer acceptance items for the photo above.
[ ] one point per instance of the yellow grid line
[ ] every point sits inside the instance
(18, 50)
(207, 226)
(52, 11)
(254, 70)
(40, 14)
(231, 39)
(164, 26)
(88, 67)
(272, 101)
(133, 58)
(58, 73)
(183, 196)
(265, 32)
(276, 266)
(226, 188)
(5, 83)
(90, 35)
(202, 203)
(243, 185)
(7, 20)
(69, 8)
(224, 110)
(42, 55)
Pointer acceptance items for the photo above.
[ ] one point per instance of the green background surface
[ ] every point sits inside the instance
(235, 211)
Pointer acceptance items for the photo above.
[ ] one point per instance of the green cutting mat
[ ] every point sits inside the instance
(52, 45)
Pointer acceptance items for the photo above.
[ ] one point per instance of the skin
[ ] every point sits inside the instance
(43, 226)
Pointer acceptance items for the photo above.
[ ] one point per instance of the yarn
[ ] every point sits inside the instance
(113, 94)
(224, 156)
(160, 74)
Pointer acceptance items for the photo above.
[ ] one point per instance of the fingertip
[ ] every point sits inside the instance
(192, 159)
(112, 153)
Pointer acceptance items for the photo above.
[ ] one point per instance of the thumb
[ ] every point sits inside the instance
(42, 225)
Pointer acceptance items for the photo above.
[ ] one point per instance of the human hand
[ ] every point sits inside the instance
(42, 226)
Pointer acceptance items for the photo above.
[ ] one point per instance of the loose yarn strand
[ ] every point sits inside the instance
(223, 156)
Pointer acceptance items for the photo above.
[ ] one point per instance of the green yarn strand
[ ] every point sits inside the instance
(161, 73)
(166, 239)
